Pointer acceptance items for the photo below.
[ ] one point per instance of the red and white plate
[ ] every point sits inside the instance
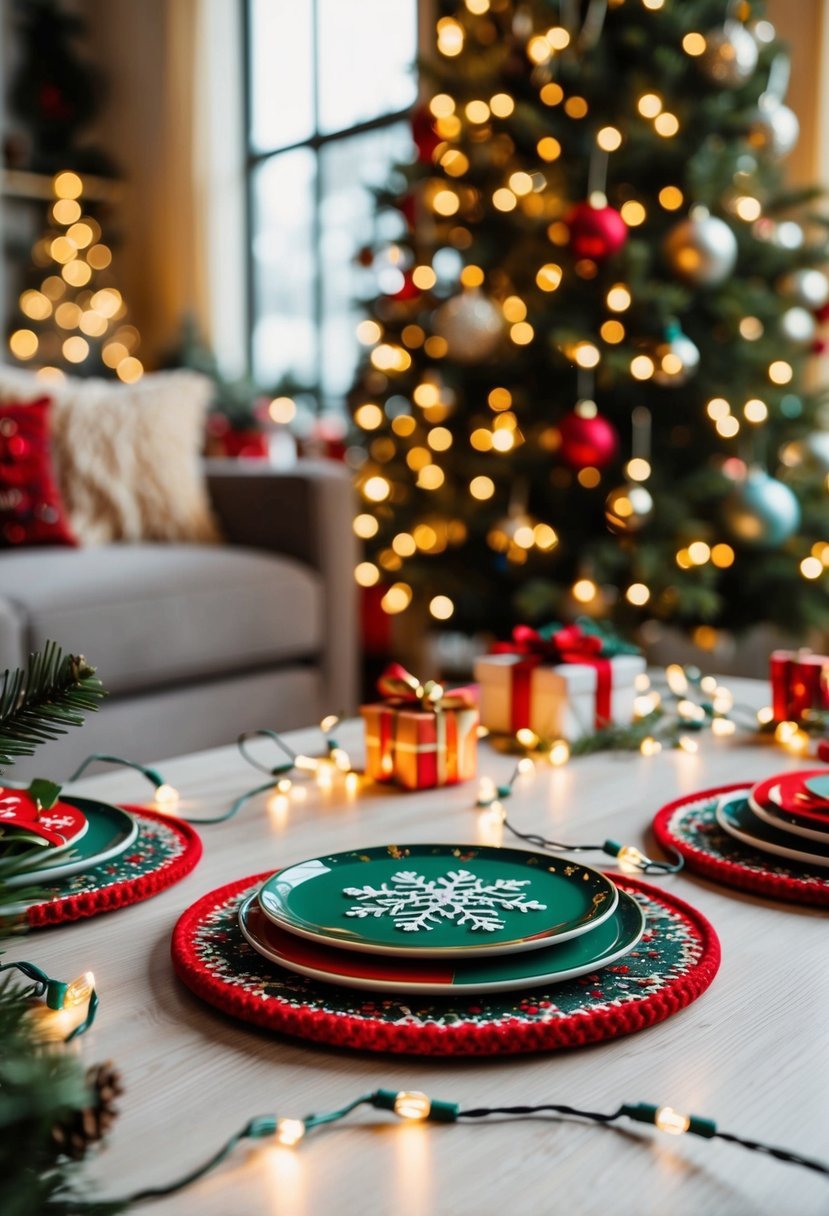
(793, 804)
(60, 827)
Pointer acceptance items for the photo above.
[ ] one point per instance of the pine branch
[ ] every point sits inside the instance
(42, 702)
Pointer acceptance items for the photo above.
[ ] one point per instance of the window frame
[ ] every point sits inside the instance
(316, 142)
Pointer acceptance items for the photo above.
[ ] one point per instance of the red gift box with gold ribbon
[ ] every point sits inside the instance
(420, 735)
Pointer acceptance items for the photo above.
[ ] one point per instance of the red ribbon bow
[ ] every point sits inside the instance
(570, 644)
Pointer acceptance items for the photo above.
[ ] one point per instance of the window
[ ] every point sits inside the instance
(329, 84)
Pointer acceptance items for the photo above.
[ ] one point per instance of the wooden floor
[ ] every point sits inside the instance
(752, 1052)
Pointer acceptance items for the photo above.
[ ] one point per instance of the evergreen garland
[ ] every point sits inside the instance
(40, 703)
(43, 1088)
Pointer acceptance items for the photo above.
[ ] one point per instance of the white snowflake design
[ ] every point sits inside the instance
(415, 902)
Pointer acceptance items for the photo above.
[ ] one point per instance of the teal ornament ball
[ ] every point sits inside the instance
(761, 512)
(676, 359)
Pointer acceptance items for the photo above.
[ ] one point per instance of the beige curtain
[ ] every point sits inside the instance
(174, 123)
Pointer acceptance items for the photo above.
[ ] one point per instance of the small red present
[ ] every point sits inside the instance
(420, 735)
(799, 683)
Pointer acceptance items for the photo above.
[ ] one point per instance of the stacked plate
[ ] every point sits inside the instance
(440, 919)
(787, 816)
(40, 846)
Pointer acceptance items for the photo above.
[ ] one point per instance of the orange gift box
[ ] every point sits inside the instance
(421, 741)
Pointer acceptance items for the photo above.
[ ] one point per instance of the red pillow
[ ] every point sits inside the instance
(31, 510)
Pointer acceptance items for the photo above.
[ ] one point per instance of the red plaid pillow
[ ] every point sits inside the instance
(31, 510)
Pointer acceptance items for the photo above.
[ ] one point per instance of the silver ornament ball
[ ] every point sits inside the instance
(702, 249)
(807, 287)
(730, 55)
(471, 325)
(628, 508)
(761, 512)
(798, 325)
(775, 128)
(676, 360)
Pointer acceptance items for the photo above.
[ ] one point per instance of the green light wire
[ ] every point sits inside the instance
(155, 778)
(439, 1111)
(54, 991)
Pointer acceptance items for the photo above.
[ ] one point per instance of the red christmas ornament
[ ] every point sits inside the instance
(596, 232)
(425, 137)
(587, 442)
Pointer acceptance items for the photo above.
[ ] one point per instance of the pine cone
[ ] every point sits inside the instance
(75, 1135)
(80, 669)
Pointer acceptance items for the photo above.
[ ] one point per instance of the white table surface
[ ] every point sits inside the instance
(752, 1052)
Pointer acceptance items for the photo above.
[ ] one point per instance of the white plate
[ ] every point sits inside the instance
(735, 816)
(776, 817)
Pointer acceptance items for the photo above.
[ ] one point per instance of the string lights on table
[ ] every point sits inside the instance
(416, 1106)
(323, 768)
(491, 797)
(66, 1010)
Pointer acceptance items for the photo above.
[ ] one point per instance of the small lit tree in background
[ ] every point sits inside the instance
(73, 317)
(585, 387)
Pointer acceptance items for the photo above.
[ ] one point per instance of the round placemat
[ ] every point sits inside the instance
(163, 852)
(689, 825)
(672, 965)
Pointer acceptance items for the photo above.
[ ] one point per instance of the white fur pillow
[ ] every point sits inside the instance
(127, 456)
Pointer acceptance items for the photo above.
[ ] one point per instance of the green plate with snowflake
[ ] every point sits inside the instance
(611, 941)
(432, 900)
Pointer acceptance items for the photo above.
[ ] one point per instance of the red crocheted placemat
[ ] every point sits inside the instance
(672, 965)
(163, 852)
(689, 825)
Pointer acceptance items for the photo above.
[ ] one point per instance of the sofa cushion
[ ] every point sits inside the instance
(127, 456)
(150, 615)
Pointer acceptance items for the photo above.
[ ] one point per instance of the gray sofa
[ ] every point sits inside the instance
(196, 643)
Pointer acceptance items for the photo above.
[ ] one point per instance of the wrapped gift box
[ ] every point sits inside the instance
(799, 682)
(421, 743)
(557, 700)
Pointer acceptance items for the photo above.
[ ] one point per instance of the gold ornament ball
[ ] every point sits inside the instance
(471, 324)
(730, 55)
(628, 508)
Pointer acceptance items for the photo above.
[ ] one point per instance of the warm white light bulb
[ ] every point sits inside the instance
(79, 991)
(671, 1121)
(289, 1131)
(630, 859)
(559, 753)
(166, 796)
(412, 1104)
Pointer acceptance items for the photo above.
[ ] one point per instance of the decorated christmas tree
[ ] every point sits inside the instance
(585, 387)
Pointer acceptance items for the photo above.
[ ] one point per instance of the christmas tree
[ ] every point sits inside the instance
(585, 383)
(73, 316)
